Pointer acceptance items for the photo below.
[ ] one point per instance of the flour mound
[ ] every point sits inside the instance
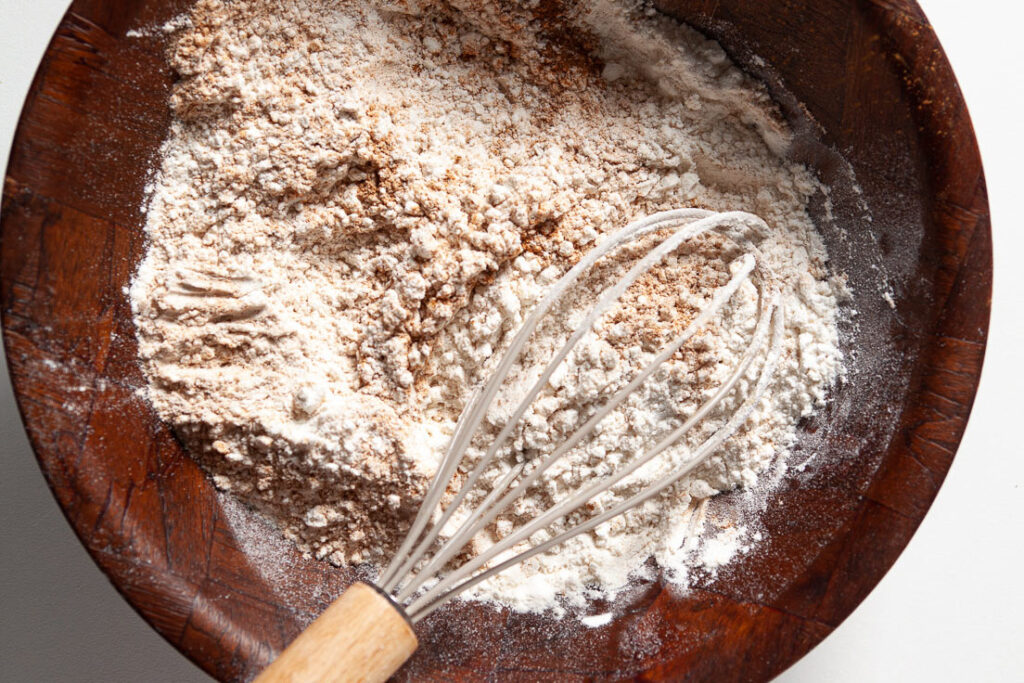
(358, 203)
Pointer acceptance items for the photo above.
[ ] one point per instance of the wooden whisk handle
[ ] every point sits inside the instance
(362, 637)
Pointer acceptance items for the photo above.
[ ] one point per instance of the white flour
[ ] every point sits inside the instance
(358, 203)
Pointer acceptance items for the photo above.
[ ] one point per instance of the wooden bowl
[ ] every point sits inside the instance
(878, 89)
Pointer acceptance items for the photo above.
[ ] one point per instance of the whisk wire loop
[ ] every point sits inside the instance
(399, 578)
(566, 507)
(436, 596)
(485, 516)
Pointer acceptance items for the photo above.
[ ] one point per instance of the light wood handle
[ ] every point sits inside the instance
(362, 637)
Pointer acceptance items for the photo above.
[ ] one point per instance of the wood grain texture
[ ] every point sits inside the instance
(363, 637)
(864, 78)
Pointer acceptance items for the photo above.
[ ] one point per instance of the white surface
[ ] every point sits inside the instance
(951, 609)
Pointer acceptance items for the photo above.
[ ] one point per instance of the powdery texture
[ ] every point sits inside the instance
(359, 202)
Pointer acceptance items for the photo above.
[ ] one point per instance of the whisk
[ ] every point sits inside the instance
(366, 634)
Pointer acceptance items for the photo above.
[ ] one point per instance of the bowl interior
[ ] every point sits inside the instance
(878, 116)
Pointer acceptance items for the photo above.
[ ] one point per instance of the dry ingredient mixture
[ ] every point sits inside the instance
(359, 201)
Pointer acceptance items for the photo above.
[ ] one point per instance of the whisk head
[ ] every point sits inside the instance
(417, 576)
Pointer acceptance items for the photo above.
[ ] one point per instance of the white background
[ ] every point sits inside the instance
(951, 609)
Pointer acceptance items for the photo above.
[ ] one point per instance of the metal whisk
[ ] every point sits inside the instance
(366, 633)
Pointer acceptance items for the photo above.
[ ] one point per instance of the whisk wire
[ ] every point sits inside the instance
(432, 497)
(486, 514)
(400, 575)
(437, 595)
(566, 507)
(477, 408)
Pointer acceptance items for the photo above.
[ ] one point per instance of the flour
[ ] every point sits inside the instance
(358, 203)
